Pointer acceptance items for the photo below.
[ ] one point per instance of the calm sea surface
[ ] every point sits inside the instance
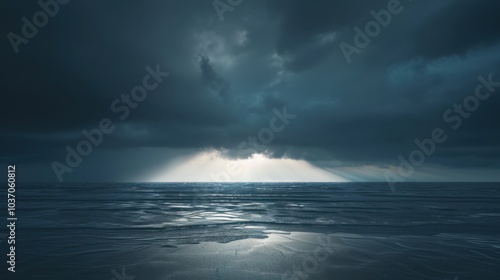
(256, 231)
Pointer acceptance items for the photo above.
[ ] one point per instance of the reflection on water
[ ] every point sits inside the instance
(260, 231)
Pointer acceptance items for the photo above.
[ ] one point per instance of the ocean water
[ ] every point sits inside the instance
(257, 231)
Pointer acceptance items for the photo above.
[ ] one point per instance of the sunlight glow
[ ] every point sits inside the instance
(213, 166)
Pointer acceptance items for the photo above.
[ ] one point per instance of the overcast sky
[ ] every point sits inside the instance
(229, 69)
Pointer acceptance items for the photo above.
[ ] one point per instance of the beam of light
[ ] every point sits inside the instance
(214, 167)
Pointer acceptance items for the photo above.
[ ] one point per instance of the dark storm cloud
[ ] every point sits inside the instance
(227, 77)
(212, 79)
(300, 20)
(462, 26)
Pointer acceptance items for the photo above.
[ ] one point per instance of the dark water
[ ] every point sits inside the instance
(257, 231)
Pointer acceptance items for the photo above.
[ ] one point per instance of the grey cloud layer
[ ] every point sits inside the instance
(226, 77)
